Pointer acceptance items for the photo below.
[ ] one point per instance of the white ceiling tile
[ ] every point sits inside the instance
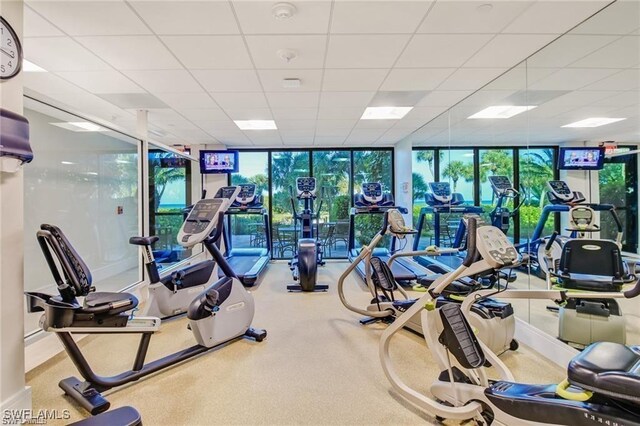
(448, 17)
(470, 78)
(620, 99)
(228, 80)
(297, 124)
(330, 141)
(377, 17)
(49, 84)
(566, 14)
(336, 124)
(333, 133)
(169, 119)
(293, 100)
(309, 50)
(218, 127)
(506, 50)
(446, 98)
(419, 116)
(101, 81)
(272, 80)
(364, 136)
(622, 53)
(340, 113)
(295, 113)
(241, 100)
(256, 17)
(36, 26)
(345, 99)
(191, 135)
(250, 114)
(353, 80)
(263, 137)
(131, 52)
(567, 49)
(571, 78)
(441, 51)
(620, 17)
(231, 138)
(91, 17)
(375, 124)
(364, 51)
(203, 114)
(625, 80)
(209, 52)
(182, 101)
(61, 54)
(415, 78)
(187, 17)
(296, 134)
(165, 81)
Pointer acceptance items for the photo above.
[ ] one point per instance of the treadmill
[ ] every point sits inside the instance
(373, 201)
(247, 263)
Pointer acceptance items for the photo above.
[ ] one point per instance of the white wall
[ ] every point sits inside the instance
(13, 393)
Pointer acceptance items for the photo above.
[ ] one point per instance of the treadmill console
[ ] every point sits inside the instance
(501, 185)
(372, 192)
(559, 190)
(441, 192)
(306, 187)
(203, 217)
(495, 247)
(247, 195)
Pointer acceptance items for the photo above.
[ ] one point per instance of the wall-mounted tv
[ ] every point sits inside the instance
(218, 162)
(581, 158)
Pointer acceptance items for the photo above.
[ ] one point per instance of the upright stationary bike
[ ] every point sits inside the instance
(309, 253)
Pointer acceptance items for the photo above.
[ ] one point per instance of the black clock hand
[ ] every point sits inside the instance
(6, 52)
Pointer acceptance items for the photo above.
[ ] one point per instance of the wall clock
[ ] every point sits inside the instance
(10, 51)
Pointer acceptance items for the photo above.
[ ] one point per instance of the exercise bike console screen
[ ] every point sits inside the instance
(372, 191)
(581, 158)
(306, 185)
(500, 184)
(441, 191)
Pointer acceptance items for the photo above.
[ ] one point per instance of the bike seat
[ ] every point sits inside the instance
(608, 368)
(143, 241)
(108, 303)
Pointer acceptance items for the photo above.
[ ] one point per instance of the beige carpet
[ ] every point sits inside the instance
(317, 366)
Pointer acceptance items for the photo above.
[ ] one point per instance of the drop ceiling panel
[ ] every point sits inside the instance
(328, 141)
(250, 114)
(416, 78)
(309, 50)
(209, 52)
(131, 52)
(294, 113)
(91, 17)
(364, 136)
(566, 14)
(241, 100)
(377, 17)
(50, 84)
(204, 114)
(180, 101)
(622, 53)
(467, 17)
(61, 54)
(228, 80)
(296, 124)
(187, 17)
(165, 81)
(571, 79)
(506, 50)
(374, 124)
(333, 133)
(340, 113)
(440, 50)
(101, 81)
(621, 17)
(624, 80)
(293, 100)
(443, 98)
(336, 124)
(256, 17)
(272, 80)
(568, 49)
(36, 26)
(264, 137)
(470, 78)
(218, 127)
(353, 80)
(364, 51)
(345, 99)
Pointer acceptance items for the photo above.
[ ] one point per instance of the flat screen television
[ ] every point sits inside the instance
(581, 158)
(218, 162)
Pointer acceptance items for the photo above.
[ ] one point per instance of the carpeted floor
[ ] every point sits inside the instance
(318, 365)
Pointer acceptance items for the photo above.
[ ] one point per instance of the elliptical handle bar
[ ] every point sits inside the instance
(550, 242)
(472, 248)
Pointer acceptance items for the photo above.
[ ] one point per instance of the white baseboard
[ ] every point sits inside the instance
(16, 406)
(546, 345)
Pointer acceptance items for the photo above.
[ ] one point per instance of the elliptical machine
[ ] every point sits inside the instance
(220, 314)
(308, 255)
(501, 215)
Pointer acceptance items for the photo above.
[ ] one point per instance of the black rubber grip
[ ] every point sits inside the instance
(472, 249)
(634, 292)
(550, 241)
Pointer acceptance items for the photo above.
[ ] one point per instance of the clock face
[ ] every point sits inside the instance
(10, 51)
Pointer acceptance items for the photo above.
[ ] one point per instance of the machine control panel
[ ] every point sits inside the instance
(227, 192)
(560, 190)
(306, 187)
(441, 191)
(581, 218)
(495, 247)
(247, 194)
(372, 192)
(501, 185)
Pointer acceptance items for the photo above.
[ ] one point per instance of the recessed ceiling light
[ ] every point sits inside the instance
(501, 111)
(256, 124)
(31, 67)
(385, 113)
(67, 162)
(79, 126)
(594, 122)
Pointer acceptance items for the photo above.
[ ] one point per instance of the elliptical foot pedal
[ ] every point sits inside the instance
(123, 416)
(318, 287)
(90, 399)
(258, 334)
(458, 337)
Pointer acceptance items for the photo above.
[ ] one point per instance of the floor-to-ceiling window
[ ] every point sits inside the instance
(495, 162)
(536, 168)
(423, 172)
